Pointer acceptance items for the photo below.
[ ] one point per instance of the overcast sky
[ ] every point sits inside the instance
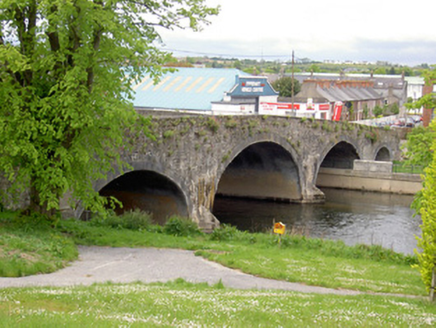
(402, 32)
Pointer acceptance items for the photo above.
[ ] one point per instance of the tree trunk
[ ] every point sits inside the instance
(433, 283)
(35, 205)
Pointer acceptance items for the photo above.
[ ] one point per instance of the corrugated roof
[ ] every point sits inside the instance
(186, 89)
(349, 94)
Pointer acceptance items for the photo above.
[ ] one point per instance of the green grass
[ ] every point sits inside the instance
(180, 304)
(400, 167)
(307, 266)
(298, 259)
(29, 246)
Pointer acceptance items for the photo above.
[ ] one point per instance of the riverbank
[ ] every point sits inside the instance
(318, 262)
(309, 262)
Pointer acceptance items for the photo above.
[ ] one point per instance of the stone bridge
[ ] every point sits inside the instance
(195, 158)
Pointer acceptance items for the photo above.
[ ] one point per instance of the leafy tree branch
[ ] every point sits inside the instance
(66, 69)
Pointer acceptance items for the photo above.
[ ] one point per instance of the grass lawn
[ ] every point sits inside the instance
(29, 246)
(180, 304)
(296, 265)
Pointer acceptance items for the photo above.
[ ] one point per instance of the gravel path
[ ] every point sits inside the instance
(124, 265)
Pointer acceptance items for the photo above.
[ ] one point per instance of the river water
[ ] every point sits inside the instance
(351, 216)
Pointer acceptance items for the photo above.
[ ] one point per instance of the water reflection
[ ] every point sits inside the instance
(352, 216)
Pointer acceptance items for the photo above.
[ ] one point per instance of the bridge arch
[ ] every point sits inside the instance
(383, 153)
(339, 155)
(261, 169)
(149, 189)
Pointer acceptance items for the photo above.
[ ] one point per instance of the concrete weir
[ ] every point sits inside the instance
(370, 176)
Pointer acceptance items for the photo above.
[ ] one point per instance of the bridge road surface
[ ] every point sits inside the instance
(124, 265)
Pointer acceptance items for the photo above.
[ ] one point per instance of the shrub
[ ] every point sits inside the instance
(224, 233)
(326, 126)
(231, 123)
(212, 124)
(372, 136)
(168, 134)
(181, 227)
(136, 220)
(132, 220)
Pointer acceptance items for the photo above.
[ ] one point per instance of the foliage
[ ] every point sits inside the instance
(66, 70)
(417, 147)
(426, 204)
(285, 85)
(428, 100)
(168, 134)
(224, 233)
(133, 220)
(377, 111)
(29, 245)
(371, 135)
(181, 227)
(231, 123)
(350, 106)
(212, 124)
(386, 110)
(402, 167)
(424, 146)
(394, 109)
(365, 112)
(312, 261)
(326, 126)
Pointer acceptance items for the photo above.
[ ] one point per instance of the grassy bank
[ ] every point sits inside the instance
(299, 259)
(29, 245)
(180, 304)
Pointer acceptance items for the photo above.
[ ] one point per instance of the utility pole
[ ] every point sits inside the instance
(292, 84)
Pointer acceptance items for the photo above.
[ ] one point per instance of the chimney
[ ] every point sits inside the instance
(426, 113)
(391, 91)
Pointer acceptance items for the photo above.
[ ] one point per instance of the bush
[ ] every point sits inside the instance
(181, 227)
(132, 220)
(212, 124)
(224, 233)
(136, 220)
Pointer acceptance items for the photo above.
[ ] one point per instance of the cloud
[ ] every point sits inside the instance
(406, 52)
(365, 30)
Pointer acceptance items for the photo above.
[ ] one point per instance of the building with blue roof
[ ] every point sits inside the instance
(204, 90)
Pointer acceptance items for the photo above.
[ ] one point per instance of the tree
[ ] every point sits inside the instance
(423, 146)
(426, 206)
(418, 145)
(377, 111)
(66, 69)
(315, 68)
(284, 86)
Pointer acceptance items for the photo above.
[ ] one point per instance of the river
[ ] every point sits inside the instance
(351, 216)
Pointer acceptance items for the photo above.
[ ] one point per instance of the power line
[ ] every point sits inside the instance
(226, 55)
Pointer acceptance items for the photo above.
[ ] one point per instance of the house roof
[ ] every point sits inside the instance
(186, 89)
(349, 94)
(333, 93)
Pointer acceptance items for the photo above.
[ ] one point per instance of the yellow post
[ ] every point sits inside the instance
(279, 228)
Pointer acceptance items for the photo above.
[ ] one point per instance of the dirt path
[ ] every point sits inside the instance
(124, 265)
